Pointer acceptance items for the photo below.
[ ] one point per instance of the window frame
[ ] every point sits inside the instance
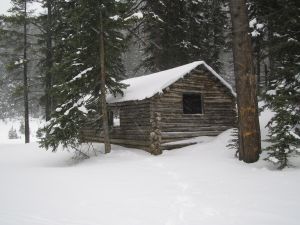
(202, 103)
(112, 113)
(116, 114)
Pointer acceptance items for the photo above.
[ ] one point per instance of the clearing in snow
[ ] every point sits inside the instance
(199, 184)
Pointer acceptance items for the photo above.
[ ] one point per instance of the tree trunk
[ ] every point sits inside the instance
(25, 81)
(258, 59)
(48, 104)
(103, 89)
(248, 123)
(266, 76)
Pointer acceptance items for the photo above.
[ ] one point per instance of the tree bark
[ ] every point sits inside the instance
(103, 89)
(258, 59)
(49, 54)
(248, 123)
(25, 78)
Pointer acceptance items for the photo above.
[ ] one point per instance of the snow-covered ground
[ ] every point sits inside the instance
(200, 184)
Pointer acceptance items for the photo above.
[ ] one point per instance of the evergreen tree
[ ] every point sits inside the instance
(12, 133)
(258, 33)
(76, 64)
(46, 23)
(178, 32)
(283, 92)
(14, 33)
(8, 108)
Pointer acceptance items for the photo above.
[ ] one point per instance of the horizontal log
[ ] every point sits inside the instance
(179, 91)
(194, 127)
(112, 133)
(136, 143)
(179, 116)
(134, 107)
(203, 131)
(207, 110)
(130, 103)
(137, 115)
(167, 146)
(175, 135)
(203, 121)
(203, 85)
(131, 132)
(132, 124)
(132, 128)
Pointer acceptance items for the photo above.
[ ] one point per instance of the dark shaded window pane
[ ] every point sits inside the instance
(192, 104)
(110, 118)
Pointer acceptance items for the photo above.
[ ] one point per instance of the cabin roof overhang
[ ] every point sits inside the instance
(147, 86)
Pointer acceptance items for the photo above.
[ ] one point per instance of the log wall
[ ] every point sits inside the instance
(134, 129)
(219, 112)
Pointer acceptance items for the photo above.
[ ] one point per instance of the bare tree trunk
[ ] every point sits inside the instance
(248, 123)
(25, 81)
(103, 90)
(48, 104)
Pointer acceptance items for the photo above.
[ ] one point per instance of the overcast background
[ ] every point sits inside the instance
(4, 6)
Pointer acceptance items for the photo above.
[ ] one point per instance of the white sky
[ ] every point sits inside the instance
(4, 6)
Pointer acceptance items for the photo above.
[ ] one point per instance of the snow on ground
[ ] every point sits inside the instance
(199, 184)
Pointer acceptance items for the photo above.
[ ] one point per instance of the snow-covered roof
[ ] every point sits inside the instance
(147, 86)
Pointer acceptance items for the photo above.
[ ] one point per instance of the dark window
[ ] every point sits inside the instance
(192, 103)
(114, 118)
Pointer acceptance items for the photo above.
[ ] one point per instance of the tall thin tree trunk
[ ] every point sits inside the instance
(48, 105)
(266, 76)
(270, 57)
(103, 89)
(26, 108)
(248, 123)
(258, 59)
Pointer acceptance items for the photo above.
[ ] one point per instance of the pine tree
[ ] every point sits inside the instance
(8, 108)
(76, 64)
(258, 33)
(283, 92)
(178, 32)
(12, 133)
(46, 23)
(16, 30)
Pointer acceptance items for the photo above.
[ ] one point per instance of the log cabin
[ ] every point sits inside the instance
(160, 109)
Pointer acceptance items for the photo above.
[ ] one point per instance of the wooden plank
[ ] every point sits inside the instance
(121, 141)
(175, 135)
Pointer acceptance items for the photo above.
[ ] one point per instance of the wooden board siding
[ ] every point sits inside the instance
(218, 107)
(134, 126)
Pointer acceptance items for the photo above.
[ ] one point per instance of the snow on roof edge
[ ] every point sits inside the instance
(139, 86)
(220, 78)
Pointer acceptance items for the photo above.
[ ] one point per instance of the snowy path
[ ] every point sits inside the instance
(201, 184)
